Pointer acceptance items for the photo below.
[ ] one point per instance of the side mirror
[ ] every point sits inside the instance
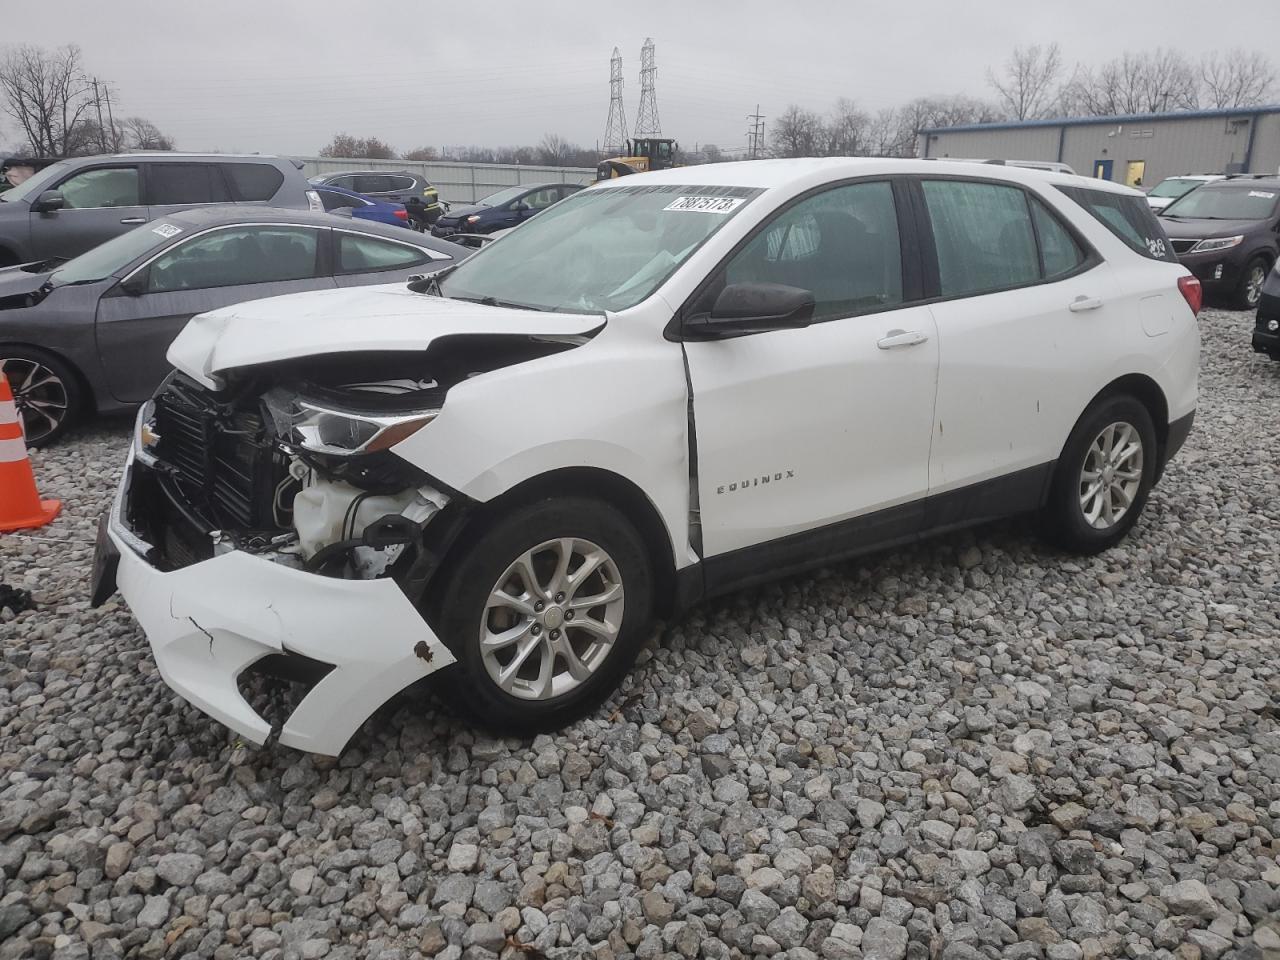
(48, 202)
(745, 308)
(136, 285)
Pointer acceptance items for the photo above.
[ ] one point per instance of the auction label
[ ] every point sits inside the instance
(167, 230)
(1263, 194)
(705, 204)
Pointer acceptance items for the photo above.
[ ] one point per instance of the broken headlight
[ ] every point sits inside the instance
(328, 429)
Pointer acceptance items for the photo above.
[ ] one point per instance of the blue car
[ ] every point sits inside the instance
(339, 201)
(501, 210)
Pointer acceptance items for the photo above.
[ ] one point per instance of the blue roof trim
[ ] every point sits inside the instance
(1087, 121)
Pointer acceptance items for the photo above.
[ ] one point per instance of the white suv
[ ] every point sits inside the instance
(668, 386)
(1171, 188)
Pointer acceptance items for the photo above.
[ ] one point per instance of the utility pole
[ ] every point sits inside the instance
(755, 133)
(102, 131)
(106, 89)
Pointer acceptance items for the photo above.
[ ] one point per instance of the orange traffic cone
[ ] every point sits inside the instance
(20, 504)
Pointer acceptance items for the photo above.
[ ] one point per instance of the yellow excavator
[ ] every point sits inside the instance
(643, 154)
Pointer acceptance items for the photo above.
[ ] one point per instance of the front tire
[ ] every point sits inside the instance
(1103, 477)
(47, 392)
(545, 612)
(1249, 293)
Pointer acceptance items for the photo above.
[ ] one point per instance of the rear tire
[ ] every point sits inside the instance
(1248, 293)
(47, 390)
(534, 657)
(1103, 477)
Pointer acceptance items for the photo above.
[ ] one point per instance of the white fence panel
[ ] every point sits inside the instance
(457, 182)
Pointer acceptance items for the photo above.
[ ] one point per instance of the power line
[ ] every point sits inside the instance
(615, 130)
(647, 122)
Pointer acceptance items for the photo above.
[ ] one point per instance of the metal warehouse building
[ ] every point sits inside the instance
(1145, 147)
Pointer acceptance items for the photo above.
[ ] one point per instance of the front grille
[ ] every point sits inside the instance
(1183, 246)
(217, 457)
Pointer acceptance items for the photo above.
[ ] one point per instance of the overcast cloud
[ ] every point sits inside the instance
(283, 77)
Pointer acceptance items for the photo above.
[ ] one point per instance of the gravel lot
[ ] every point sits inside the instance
(972, 748)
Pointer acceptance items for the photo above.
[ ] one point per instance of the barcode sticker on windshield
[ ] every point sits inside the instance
(705, 204)
(1263, 194)
(167, 230)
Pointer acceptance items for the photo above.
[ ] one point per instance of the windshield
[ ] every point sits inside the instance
(102, 261)
(503, 196)
(600, 249)
(35, 184)
(1173, 187)
(1226, 203)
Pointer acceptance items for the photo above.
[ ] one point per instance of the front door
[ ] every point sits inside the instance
(809, 439)
(211, 270)
(100, 203)
(1134, 173)
(1102, 169)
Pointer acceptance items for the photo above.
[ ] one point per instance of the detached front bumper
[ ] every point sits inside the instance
(210, 621)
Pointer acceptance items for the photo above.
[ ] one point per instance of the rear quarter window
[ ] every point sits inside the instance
(1129, 218)
(253, 182)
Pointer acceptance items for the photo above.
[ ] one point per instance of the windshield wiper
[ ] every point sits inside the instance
(495, 302)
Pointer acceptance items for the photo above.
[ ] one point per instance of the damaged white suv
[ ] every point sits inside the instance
(665, 387)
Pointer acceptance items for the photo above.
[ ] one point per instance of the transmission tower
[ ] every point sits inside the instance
(615, 131)
(755, 134)
(647, 122)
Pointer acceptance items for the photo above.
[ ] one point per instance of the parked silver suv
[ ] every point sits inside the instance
(76, 204)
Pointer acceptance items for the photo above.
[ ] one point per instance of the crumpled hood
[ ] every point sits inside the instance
(461, 212)
(388, 317)
(17, 282)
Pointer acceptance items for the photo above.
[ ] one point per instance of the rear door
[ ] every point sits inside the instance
(102, 201)
(176, 186)
(213, 269)
(1025, 310)
(360, 258)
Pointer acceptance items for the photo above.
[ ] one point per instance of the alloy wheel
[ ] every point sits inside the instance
(40, 394)
(1253, 284)
(552, 619)
(1111, 475)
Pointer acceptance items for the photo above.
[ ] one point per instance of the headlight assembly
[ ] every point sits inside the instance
(1217, 243)
(321, 428)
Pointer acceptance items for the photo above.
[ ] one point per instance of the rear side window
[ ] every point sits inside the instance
(1129, 218)
(361, 254)
(1060, 254)
(186, 183)
(379, 183)
(253, 182)
(983, 236)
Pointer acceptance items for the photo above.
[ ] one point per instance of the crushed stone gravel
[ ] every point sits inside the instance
(975, 747)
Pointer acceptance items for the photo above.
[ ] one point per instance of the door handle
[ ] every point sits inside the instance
(1081, 304)
(134, 220)
(900, 338)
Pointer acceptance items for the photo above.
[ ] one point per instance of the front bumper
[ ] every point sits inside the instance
(1216, 270)
(210, 621)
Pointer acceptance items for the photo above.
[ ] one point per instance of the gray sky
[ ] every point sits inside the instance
(284, 76)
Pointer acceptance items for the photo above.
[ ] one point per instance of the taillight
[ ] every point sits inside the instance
(1192, 292)
(402, 214)
(314, 203)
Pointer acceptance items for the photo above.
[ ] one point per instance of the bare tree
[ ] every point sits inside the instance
(423, 153)
(1027, 87)
(847, 130)
(48, 94)
(142, 134)
(1236, 78)
(797, 133)
(556, 151)
(1154, 81)
(356, 148)
(712, 154)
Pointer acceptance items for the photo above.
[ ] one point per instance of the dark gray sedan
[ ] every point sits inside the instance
(90, 334)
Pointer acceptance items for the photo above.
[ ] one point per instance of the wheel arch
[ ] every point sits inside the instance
(1147, 392)
(88, 399)
(592, 483)
(8, 256)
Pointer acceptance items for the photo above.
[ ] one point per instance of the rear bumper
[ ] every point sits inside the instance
(210, 621)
